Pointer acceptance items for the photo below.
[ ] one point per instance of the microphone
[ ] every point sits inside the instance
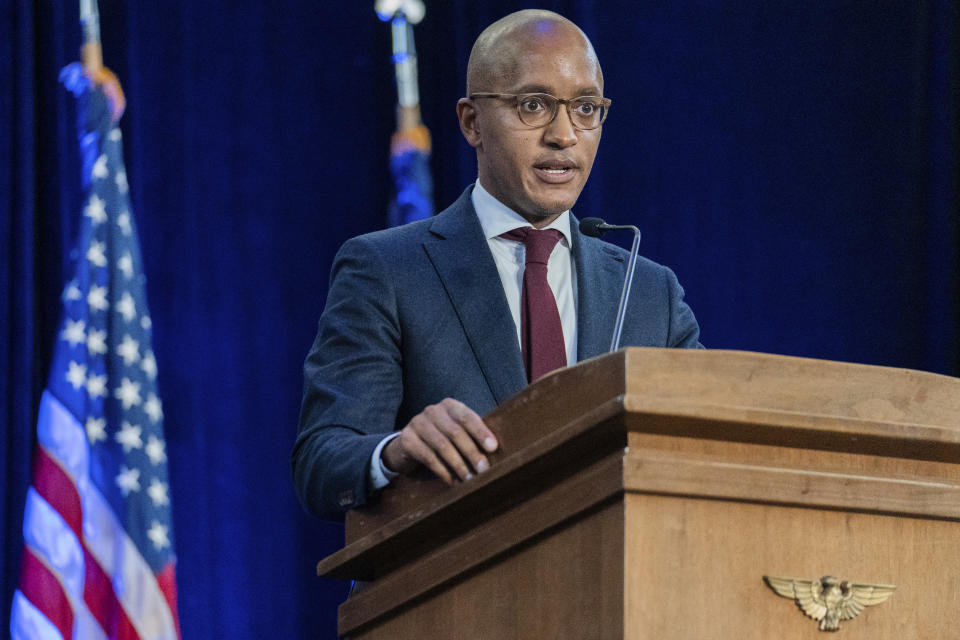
(595, 227)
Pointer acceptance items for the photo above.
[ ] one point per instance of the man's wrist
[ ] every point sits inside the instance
(380, 475)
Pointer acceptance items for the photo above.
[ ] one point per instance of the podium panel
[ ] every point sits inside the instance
(647, 493)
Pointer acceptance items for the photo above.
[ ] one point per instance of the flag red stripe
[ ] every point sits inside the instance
(102, 601)
(57, 488)
(42, 588)
(167, 581)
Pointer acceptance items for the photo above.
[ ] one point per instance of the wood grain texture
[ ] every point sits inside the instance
(571, 395)
(695, 568)
(726, 395)
(654, 472)
(644, 494)
(804, 386)
(502, 534)
(568, 584)
(436, 517)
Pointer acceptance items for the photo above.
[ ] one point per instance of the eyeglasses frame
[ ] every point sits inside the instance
(604, 102)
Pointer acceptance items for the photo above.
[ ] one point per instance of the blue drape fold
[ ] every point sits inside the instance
(796, 164)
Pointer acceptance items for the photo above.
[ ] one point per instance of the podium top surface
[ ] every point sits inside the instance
(733, 396)
(773, 383)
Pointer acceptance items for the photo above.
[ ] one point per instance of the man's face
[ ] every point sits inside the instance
(539, 173)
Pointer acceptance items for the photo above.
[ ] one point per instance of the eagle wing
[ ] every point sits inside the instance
(860, 596)
(807, 594)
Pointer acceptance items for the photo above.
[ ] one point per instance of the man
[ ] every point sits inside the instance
(428, 326)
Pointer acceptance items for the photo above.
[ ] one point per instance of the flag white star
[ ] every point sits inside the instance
(76, 374)
(158, 493)
(97, 386)
(128, 393)
(158, 535)
(125, 264)
(149, 365)
(128, 480)
(127, 307)
(97, 298)
(96, 254)
(96, 210)
(156, 450)
(146, 323)
(129, 350)
(74, 332)
(123, 221)
(121, 180)
(97, 341)
(96, 429)
(72, 292)
(153, 408)
(129, 437)
(100, 167)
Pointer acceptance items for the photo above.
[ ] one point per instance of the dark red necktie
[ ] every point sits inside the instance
(541, 334)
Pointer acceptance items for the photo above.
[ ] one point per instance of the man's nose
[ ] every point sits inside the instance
(560, 133)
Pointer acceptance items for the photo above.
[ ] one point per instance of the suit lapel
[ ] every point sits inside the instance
(599, 283)
(459, 253)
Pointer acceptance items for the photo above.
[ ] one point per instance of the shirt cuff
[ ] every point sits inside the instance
(379, 475)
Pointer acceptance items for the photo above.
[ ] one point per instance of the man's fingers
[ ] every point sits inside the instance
(417, 449)
(473, 423)
(463, 445)
(439, 432)
(462, 440)
(445, 437)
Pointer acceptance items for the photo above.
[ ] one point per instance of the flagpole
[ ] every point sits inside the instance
(410, 145)
(91, 53)
(91, 56)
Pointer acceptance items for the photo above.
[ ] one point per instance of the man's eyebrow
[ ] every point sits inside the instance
(540, 88)
(589, 91)
(533, 88)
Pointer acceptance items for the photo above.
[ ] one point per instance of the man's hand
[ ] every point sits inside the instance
(444, 437)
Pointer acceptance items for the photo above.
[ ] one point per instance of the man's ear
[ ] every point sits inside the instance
(469, 123)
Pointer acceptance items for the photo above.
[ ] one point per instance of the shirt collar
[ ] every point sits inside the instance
(496, 217)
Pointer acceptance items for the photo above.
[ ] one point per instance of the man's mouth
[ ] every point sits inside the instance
(555, 172)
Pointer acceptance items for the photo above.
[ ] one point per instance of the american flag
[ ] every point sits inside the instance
(98, 558)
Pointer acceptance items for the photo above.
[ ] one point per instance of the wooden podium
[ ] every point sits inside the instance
(646, 494)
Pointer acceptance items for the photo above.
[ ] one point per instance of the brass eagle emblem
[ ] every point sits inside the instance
(830, 600)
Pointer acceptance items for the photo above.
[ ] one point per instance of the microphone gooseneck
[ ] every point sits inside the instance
(595, 227)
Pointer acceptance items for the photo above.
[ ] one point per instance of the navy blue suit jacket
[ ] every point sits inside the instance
(417, 313)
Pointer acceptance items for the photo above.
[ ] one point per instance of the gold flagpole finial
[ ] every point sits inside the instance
(91, 55)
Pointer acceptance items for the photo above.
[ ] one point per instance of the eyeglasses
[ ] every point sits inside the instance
(540, 109)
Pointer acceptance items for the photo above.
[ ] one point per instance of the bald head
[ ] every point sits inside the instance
(495, 54)
(536, 171)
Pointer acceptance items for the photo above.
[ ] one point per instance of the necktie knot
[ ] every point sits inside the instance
(539, 242)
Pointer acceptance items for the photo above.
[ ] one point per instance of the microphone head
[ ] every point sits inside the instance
(593, 227)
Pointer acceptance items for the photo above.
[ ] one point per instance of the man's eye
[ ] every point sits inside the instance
(532, 105)
(587, 108)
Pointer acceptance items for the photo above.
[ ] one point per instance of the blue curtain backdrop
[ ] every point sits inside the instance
(796, 163)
